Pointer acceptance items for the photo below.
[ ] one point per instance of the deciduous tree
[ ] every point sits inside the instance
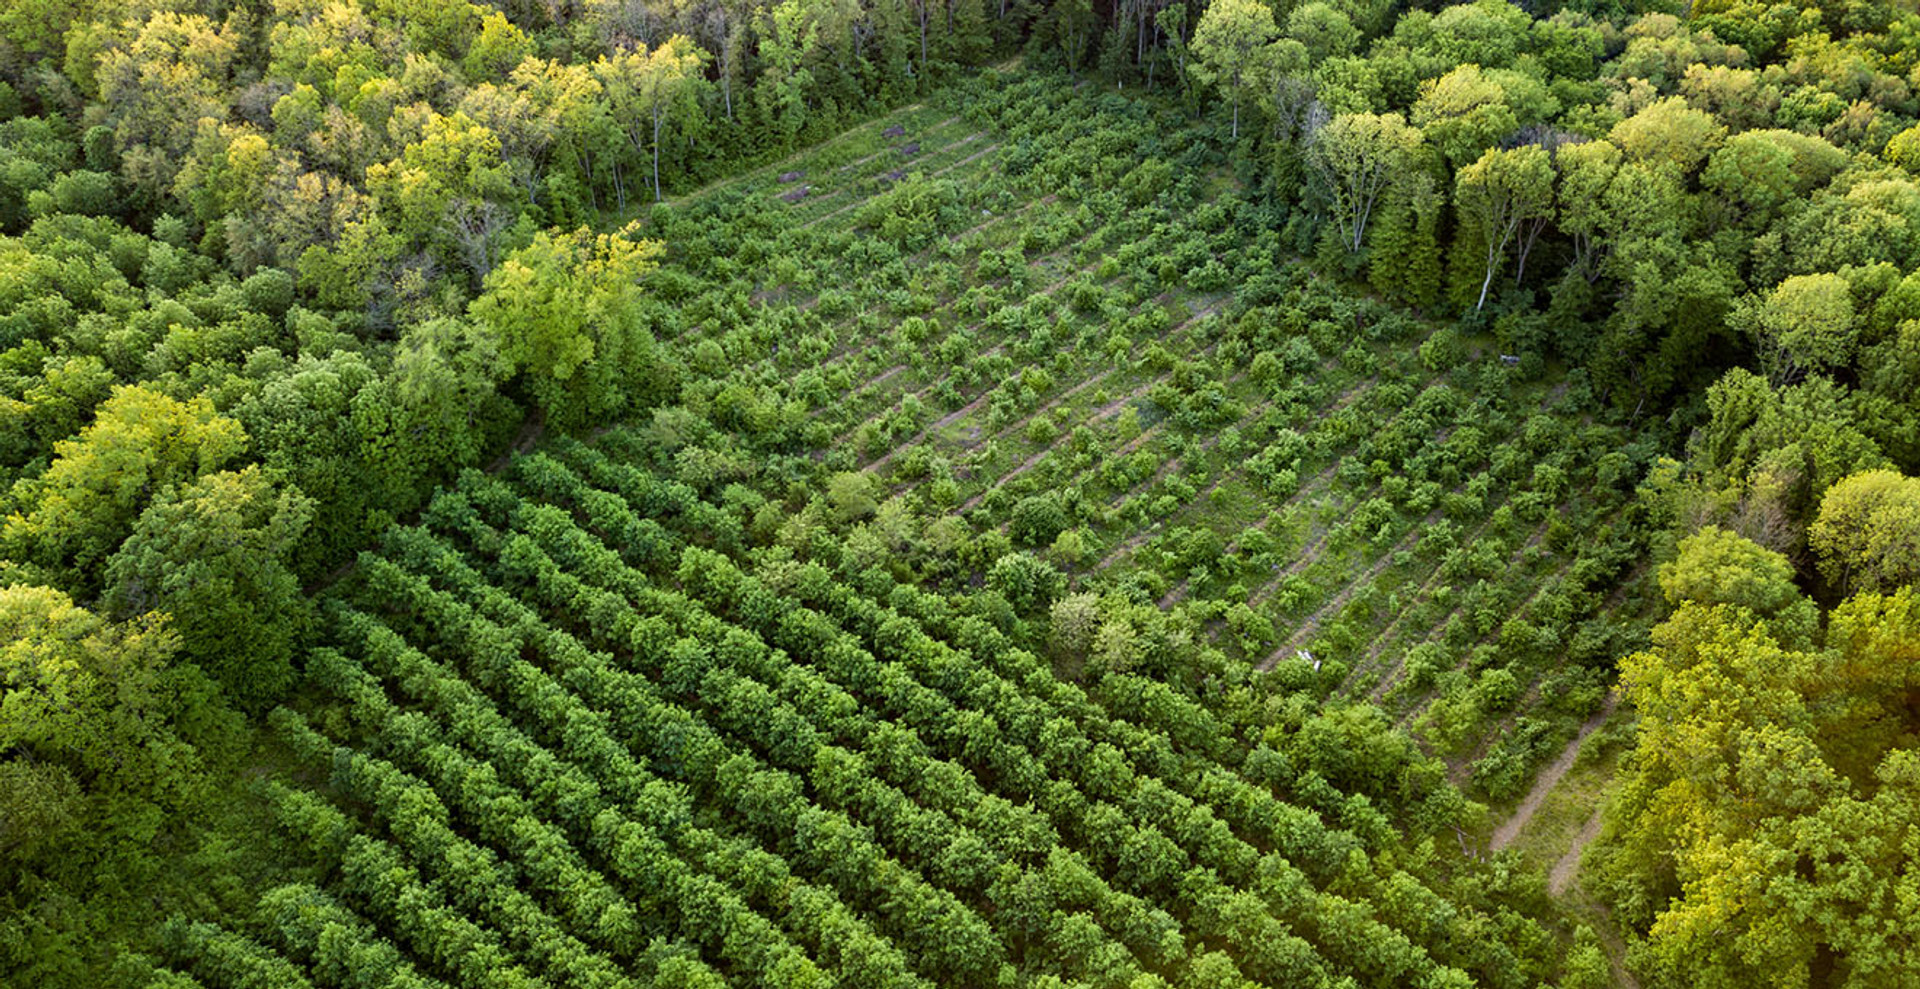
(1867, 535)
(1500, 200)
(71, 518)
(1226, 44)
(1356, 158)
(650, 90)
(214, 554)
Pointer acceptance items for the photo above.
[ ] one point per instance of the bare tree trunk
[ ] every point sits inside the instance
(924, 18)
(1155, 63)
(1236, 106)
(656, 154)
(1530, 236)
(586, 166)
(1139, 31)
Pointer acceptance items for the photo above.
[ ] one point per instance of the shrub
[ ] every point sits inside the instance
(1026, 581)
(1037, 520)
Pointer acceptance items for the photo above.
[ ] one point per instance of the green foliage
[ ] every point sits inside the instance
(566, 313)
(71, 518)
(214, 555)
(85, 711)
(1717, 567)
(1867, 534)
(1809, 320)
(912, 211)
(1037, 520)
(1721, 696)
(1227, 40)
(1027, 582)
(267, 277)
(852, 495)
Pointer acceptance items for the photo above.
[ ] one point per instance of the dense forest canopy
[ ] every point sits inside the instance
(911, 493)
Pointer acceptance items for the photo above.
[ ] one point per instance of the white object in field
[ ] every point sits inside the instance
(1308, 656)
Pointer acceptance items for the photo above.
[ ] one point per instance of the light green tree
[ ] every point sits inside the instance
(652, 90)
(1355, 159)
(1807, 322)
(1867, 535)
(565, 312)
(1226, 43)
(84, 706)
(1470, 109)
(1324, 30)
(789, 34)
(71, 518)
(1501, 200)
(1669, 131)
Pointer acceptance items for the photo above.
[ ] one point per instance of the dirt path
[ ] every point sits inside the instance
(1616, 952)
(967, 409)
(861, 390)
(1381, 641)
(858, 199)
(1561, 878)
(1047, 407)
(1100, 415)
(1140, 538)
(1025, 465)
(776, 167)
(1317, 489)
(976, 156)
(1544, 784)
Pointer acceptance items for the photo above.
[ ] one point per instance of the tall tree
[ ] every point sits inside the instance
(565, 311)
(722, 28)
(1762, 832)
(1867, 535)
(1496, 197)
(71, 518)
(1356, 158)
(1291, 104)
(1468, 110)
(1403, 253)
(1669, 131)
(158, 87)
(214, 554)
(84, 710)
(1586, 172)
(649, 90)
(789, 35)
(1806, 323)
(1226, 46)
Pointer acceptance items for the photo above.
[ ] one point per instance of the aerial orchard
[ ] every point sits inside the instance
(581, 757)
(1036, 493)
(856, 669)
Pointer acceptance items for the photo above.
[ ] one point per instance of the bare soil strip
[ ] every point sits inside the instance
(1561, 878)
(1311, 625)
(1547, 780)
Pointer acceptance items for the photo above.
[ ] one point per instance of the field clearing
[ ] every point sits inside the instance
(662, 668)
(1033, 352)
